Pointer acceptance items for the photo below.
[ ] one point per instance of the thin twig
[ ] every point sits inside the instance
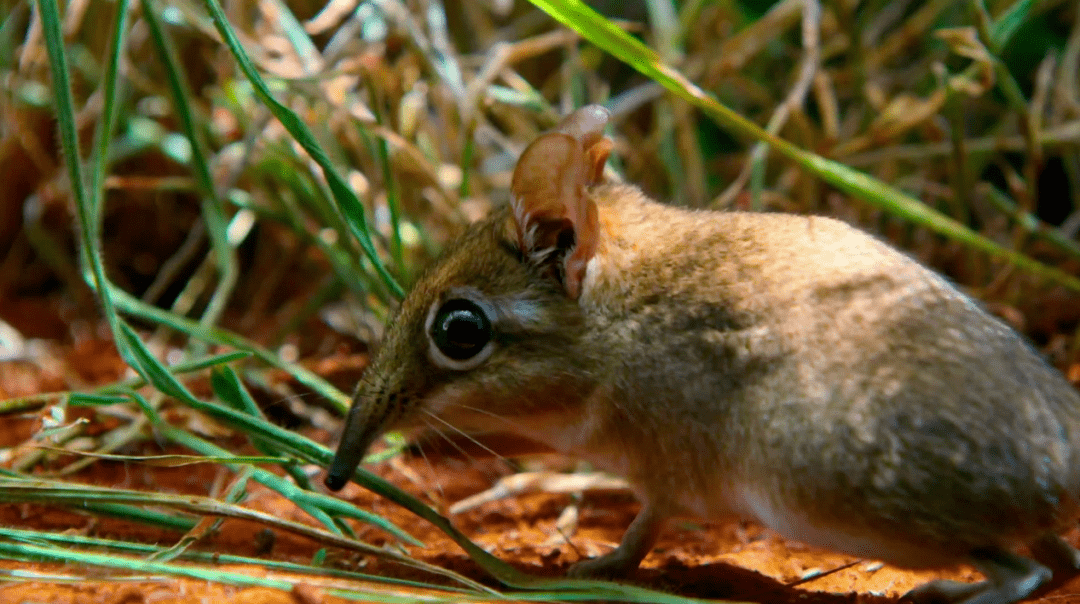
(808, 66)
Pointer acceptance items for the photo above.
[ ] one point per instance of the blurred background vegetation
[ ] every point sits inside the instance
(213, 212)
(423, 107)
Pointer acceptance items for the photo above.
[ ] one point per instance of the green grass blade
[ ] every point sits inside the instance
(1031, 223)
(393, 200)
(350, 205)
(141, 549)
(299, 39)
(227, 386)
(89, 400)
(25, 551)
(88, 210)
(213, 210)
(104, 133)
(150, 368)
(64, 104)
(1003, 28)
(133, 306)
(135, 513)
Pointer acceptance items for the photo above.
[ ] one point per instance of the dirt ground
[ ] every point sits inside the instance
(730, 561)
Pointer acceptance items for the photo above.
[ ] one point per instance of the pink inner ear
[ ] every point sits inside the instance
(547, 185)
(548, 190)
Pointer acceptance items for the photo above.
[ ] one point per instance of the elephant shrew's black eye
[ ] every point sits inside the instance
(461, 329)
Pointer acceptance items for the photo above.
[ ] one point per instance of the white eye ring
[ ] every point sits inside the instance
(466, 298)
